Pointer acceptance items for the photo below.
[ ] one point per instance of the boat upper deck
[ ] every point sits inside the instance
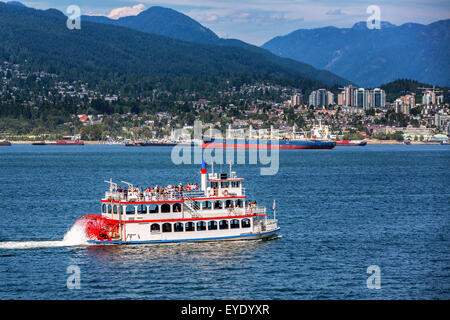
(176, 194)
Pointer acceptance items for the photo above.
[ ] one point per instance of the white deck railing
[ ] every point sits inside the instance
(134, 196)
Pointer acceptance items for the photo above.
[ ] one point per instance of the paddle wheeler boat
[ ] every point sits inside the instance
(218, 210)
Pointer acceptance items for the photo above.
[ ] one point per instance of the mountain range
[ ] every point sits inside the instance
(370, 57)
(363, 56)
(163, 42)
(165, 22)
(103, 52)
(173, 24)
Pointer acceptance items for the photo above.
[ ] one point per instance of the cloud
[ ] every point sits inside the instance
(336, 12)
(126, 11)
(239, 17)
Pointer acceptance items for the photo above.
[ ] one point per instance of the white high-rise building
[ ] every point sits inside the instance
(367, 98)
(296, 100)
(321, 97)
(348, 99)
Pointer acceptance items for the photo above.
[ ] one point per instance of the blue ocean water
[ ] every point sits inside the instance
(340, 211)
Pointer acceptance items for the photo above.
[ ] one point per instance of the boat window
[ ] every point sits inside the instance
(239, 203)
(167, 227)
(225, 184)
(214, 184)
(178, 227)
(206, 205)
(218, 205)
(189, 226)
(177, 207)
(201, 225)
(223, 224)
(155, 227)
(234, 224)
(235, 184)
(104, 208)
(142, 209)
(245, 223)
(165, 208)
(130, 210)
(212, 225)
(154, 208)
(229, 204)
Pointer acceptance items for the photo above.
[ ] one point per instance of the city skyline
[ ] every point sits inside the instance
(258, 21)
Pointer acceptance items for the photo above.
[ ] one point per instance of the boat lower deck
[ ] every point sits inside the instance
(248, 236)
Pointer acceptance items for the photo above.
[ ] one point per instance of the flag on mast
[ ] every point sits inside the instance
(203, 167)
(273, 207)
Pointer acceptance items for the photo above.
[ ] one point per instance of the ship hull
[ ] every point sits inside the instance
(269, 144)
(150, 144)
(250, 236)
(350, 143)
(58, 143)
(158, 144)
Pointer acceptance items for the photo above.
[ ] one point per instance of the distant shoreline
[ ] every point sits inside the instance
(375, 141)
(30, 142)
(369, 141)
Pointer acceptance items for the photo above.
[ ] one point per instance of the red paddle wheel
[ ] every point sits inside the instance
(100, 228)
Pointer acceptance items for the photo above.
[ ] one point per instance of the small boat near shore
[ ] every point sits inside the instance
(4, 143)
(150, 144)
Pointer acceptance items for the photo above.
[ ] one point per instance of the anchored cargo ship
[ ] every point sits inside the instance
(268, 144)
(218, 210)
(266, 140)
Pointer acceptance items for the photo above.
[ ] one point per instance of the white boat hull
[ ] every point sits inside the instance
(243, 236)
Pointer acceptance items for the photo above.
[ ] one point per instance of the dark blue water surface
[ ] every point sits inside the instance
(340, 211)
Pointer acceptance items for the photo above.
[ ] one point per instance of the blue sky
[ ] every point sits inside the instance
(257, 21)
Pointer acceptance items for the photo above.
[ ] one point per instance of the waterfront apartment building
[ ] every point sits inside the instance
(379, 98)
(405, 103)
(296, 100)
(321, 97)
(430, 98)
(340, 99)
(367, 98)
(348, 96)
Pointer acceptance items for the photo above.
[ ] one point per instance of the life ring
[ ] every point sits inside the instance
(225, 192)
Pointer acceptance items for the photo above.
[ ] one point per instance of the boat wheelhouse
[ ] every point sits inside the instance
(218, 210)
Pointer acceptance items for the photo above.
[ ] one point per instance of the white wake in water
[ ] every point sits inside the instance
(76, 236)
